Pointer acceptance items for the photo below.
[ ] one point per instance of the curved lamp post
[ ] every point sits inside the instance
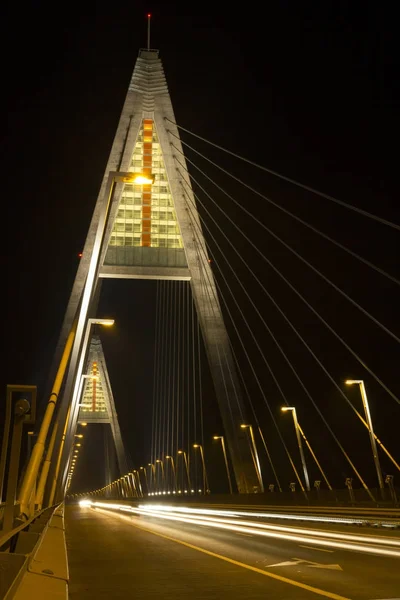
(205, 478)
(255, 455)
(297, 429)
(221, 437)
(182, 452)
(364, 398)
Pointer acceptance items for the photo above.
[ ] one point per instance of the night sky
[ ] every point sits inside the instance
(309, 91)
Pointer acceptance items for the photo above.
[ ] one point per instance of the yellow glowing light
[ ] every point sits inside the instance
(85, 503)
(139, 178)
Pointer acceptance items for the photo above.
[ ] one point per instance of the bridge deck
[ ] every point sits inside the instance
(110, 558)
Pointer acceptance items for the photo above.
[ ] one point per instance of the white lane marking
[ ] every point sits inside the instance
(319, 549)
(286, 563)
(246, 534)
(307, 563)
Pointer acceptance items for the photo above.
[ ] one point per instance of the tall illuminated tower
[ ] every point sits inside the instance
(152, 231)
(97, 401)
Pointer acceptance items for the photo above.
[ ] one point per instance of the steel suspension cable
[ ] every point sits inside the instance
(287, 246)
(210, 306)
(157, 383)
(290, 180)
(165, 371)
(256, 418)
(160, 386)
(289, 322)
(183, 370)
(155, 372)
(314, 404)
(188, 356)
(165, 380)
(255, 375)
(200, 386)
(194, 374)
(170, 374)
(363, 364)
(170, 448)
(178, 381)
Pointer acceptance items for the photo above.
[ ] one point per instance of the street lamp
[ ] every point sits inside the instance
(145, 477)
(160, 462)
(58, 464)
(297, 429)
(152, 476)
(221, 437)
(129, 486)
(173, 471)
(140, 178)
(75, 349)
(364, 398)
(205, 478)
(72, 416)
(255, 456)
(187, 466)
(136, 478)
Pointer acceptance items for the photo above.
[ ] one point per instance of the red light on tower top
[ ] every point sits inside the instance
(148, 31)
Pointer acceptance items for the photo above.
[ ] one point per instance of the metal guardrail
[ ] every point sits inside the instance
(340, 499)
(33, 558)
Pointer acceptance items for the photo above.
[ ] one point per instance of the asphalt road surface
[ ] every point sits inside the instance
(114, 554)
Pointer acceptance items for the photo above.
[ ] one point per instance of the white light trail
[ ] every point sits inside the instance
(339, 540)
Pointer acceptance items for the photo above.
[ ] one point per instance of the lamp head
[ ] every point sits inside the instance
(106, 322)
(139, 178)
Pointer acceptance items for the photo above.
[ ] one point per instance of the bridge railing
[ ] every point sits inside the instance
(358, 497)
(33, 558)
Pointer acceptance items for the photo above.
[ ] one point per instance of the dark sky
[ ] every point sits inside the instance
(310, 91)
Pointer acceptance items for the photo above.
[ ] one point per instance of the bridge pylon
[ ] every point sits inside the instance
(97, 404)
(150, 229)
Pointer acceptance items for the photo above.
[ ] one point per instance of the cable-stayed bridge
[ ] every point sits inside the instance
(272, 366)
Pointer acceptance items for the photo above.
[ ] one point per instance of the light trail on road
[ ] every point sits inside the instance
(378, 545)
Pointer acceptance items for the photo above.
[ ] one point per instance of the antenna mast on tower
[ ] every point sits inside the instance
(148, 30)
